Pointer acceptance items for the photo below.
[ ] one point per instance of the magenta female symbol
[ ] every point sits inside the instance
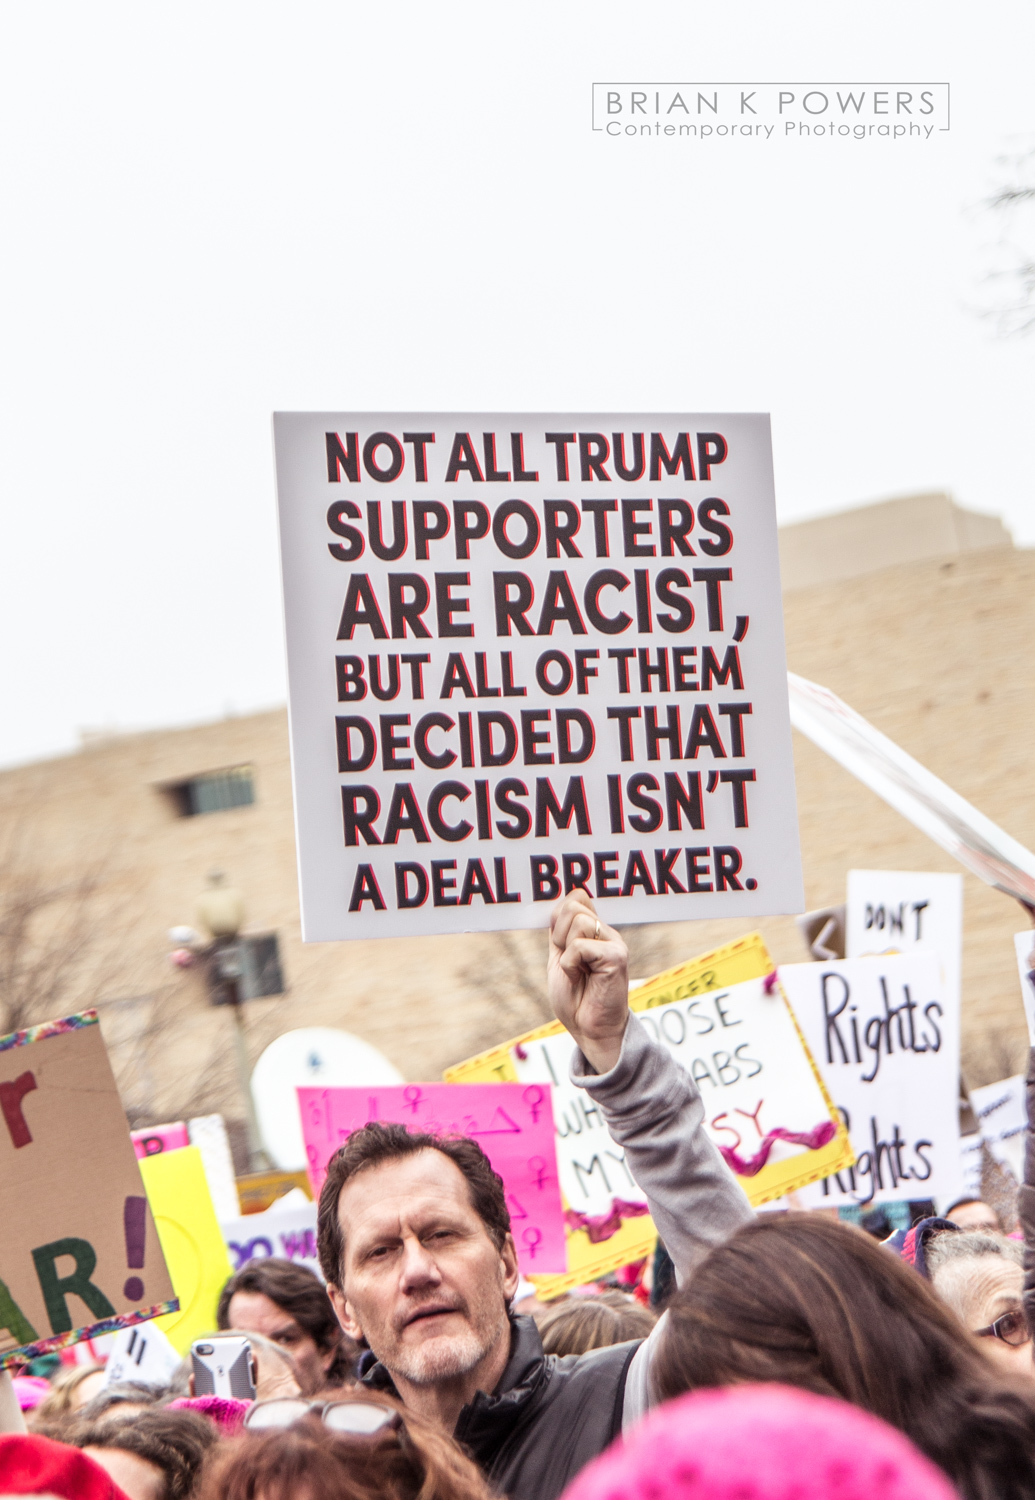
(532, 1238)
(134, 1226)
(533, 1097)
(537, 1167)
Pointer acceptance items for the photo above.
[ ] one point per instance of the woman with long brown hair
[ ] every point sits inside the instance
(800, 1300)
(363, 1447)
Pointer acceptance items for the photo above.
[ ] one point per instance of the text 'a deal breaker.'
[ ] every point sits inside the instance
(532, 652)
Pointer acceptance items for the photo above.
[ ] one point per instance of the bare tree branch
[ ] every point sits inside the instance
(1013, 282)
(64, 945)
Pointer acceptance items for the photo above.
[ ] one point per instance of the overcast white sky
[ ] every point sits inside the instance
(212, 211)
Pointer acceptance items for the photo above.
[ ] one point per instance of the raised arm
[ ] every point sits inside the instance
(652, 1106)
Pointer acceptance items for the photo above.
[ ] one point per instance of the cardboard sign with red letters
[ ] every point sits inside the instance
(79, 1253)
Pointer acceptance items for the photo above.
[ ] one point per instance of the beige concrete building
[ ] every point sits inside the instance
(918, 614)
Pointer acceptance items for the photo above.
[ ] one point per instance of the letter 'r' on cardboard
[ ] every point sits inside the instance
(69, 1269)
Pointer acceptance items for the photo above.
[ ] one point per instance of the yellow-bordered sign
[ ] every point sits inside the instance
(735, 963)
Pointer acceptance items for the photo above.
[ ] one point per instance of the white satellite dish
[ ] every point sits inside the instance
(312, 1057)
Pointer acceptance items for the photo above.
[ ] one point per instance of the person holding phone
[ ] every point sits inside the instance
(288, 1305)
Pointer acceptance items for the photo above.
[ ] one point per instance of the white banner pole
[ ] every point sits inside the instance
(974, 840)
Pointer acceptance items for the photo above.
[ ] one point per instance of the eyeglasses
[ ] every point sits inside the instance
(359, 1419)
(1012, 1328)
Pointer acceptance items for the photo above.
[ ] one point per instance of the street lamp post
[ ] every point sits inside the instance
(221, 910)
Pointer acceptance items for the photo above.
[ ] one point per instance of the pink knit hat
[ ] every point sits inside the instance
(761, 1442)
(31, 1390)
(225, 1411)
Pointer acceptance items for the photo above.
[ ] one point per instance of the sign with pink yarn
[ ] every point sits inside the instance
(512, 1122)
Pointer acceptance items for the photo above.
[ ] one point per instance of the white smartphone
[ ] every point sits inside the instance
(223, 1366)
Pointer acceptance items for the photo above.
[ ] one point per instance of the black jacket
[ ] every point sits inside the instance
(547, 1417)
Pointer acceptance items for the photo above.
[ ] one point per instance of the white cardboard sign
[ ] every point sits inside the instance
(886, 1039)
(288, 1232)
(762, 1101)
(143, 1354)
(900, 911)
(528, 653)
(1002, 1114)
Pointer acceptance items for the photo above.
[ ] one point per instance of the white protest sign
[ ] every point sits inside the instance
(1024, 946)
(969, 1181)
(1002, 1114)
(208, 1133)
(287, 1232)
(887, 1041)
(899, 911)
(141, 1354)
(764, 1106)
(530, 653)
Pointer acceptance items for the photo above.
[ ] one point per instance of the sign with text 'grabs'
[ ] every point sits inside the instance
(79, 1255)
(529, 653)
(727, 1023)
(512, 1123)
(886, 1038)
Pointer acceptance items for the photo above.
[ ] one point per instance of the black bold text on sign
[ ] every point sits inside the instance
(528, 653)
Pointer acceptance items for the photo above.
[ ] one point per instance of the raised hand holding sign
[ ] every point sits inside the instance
(588, 979)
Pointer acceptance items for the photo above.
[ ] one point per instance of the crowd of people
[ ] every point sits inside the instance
(786, 1355)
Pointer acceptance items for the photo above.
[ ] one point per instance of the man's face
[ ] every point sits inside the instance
(422, 1280)
(254, 1312)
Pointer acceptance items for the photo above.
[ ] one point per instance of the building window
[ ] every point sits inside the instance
(215, 791)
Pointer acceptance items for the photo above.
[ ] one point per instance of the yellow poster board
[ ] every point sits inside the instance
(735, 963)
(191, 1239)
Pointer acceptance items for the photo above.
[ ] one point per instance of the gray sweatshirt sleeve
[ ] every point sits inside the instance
(655, 1112)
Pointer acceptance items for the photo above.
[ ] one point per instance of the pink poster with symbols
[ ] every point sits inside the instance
(512, 1122)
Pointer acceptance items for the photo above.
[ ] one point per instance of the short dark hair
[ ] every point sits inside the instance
(176, 1441)
(299, 1292)
(373, 1145)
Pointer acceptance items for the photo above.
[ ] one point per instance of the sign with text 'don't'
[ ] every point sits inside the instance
(79, 1254)
(528, 653)
(905, 911)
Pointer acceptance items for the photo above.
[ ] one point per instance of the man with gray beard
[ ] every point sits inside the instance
(415, 1241)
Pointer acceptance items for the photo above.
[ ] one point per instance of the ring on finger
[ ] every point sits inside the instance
(596, 932)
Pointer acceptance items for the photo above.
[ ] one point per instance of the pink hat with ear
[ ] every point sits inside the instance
(761, 1442)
